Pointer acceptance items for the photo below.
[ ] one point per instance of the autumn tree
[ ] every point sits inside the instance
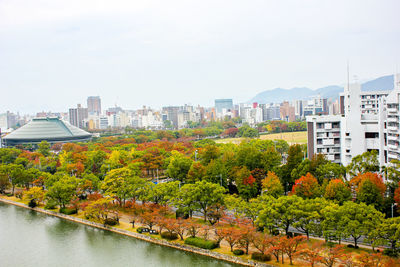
(260, 242)
(370, 188)
(311, 255)
(34, 194)
(231, 235)
(196, 172)
(246, 233)
(337, 191)
(4, 180)
(290, 246)
(98, 210)
(271, 185)
(307, 187)
(370, 259)
(332, 255)
(275, 246)
(192, 227)
(245, 183)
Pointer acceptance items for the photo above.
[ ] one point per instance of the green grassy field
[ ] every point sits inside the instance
(290, 137)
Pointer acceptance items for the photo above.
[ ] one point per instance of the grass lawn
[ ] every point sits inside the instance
(290, 137)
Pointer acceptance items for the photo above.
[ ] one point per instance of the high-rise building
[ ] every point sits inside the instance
(172, 115)
(77, 116)
(287, 112)
(221, 104)
(368, 121)
(94, 105)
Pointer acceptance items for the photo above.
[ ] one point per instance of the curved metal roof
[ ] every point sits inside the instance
(49, 129)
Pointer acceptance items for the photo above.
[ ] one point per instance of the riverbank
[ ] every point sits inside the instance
(186, 248)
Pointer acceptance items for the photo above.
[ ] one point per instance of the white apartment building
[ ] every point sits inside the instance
(369, 121)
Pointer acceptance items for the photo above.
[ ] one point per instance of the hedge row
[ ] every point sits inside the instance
(260, 257)
(201, 243)
(68, 211)
(169, 236)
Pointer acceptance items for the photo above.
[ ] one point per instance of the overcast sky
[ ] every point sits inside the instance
(53, 54)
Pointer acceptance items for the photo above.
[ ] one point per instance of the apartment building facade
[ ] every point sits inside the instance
(368, 121)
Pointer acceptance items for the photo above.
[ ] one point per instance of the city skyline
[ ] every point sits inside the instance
(121, 51)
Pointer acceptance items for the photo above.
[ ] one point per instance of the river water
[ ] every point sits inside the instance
(29, 238)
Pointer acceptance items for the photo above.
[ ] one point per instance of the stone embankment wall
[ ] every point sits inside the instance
(187, 248)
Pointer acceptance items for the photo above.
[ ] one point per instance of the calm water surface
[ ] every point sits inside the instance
(28, 238)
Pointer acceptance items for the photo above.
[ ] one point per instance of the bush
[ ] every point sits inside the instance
(201, 243)
(169, 236)
(9, 195)
(352, 246)
(238, 252)
(142, 230)
(110, 222)
(390, 252)
(68, 211)
(32, 203)
(50, 205)
(260, 257)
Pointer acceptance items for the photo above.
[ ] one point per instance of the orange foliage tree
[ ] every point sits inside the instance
(338, 191)
(311, 255)
(290, 245)
(377, 179)
(332, 255)
(306, 187)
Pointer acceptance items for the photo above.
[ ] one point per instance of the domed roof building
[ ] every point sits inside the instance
(52, 130)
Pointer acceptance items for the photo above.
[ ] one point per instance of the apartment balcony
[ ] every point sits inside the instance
(392, 147)
(392, 110)
(393, 137)
(393, 128)
(395, 119)
(372, 143)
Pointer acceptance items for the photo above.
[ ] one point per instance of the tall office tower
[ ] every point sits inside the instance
(94, 105)
(172, 115)
(221, 104)
(77, 116)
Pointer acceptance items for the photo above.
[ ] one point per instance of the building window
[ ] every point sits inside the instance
(371, 135)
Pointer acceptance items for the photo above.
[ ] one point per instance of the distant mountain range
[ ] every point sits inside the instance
(279, 95)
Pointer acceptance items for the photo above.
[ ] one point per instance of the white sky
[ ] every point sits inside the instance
(53, 54)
